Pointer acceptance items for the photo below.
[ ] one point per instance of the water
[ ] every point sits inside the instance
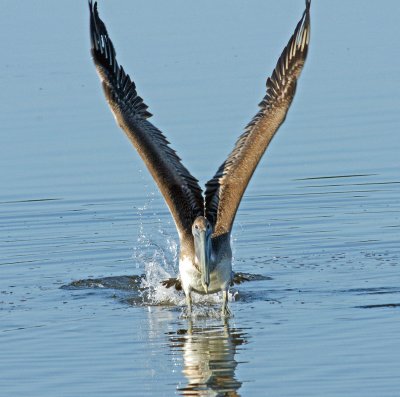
(320, 220)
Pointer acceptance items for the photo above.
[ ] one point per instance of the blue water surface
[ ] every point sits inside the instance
(320, 219)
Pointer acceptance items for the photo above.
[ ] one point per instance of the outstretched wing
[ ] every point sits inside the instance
(225, 190)
(179, 188)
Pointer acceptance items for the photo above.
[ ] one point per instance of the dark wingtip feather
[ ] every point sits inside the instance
(119, 85)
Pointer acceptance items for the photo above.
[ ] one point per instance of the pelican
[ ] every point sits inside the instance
(204, 223)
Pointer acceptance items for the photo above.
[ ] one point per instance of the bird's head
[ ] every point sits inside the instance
(202, 231)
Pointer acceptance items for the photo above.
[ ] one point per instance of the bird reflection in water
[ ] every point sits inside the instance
(208, 359)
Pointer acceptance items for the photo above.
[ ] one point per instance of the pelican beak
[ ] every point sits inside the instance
(203, 249)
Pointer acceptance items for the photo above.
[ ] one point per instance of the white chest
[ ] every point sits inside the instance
(220, 277)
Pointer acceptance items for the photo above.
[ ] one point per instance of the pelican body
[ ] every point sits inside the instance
(204, 223)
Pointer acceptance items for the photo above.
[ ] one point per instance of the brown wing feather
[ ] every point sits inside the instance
(179, 188)
(225, 190)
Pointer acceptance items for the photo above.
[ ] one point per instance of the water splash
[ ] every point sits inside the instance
(156, 256)
(156, 253)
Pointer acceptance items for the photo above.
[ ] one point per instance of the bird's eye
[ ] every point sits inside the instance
(196, 227)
